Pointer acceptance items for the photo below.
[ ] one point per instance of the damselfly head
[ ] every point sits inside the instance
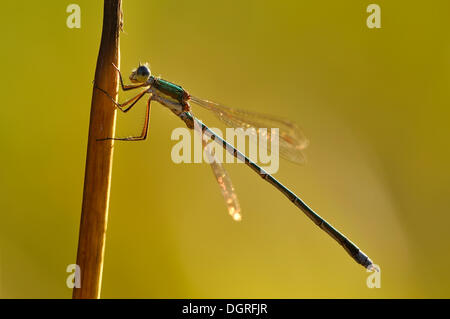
(140, 74)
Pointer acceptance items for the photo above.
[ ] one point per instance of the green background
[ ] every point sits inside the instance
(374, 104)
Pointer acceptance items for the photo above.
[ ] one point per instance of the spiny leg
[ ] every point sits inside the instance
(121, 106)
(124, 87)
(127, 87)
(143, 135)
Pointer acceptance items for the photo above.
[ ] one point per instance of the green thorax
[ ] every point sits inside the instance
(174, 91)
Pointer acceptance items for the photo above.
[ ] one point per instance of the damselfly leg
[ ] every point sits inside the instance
(127, 87)
(123, 106)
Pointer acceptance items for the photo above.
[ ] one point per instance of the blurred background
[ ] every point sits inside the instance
(373, 103)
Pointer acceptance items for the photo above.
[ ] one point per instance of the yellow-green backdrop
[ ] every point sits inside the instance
(373, 102)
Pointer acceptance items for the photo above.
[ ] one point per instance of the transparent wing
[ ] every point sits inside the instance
(291, 139)
(224, 181)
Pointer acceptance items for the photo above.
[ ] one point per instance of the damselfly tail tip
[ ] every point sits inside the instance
(373, 267)
(364, 260)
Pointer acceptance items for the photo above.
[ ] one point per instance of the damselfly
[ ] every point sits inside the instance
(291, 142)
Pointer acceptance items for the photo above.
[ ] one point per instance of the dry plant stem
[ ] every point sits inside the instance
(94, 215)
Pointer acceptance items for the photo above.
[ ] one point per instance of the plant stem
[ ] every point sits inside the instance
(94, 214)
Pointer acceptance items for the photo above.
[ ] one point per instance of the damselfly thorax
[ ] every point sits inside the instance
(169, 91)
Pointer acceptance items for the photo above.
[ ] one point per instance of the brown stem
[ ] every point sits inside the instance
(94, 214)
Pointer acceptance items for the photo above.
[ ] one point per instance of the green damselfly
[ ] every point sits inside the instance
(291, 143)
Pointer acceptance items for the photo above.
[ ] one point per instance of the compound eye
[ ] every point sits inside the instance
(143, 71)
